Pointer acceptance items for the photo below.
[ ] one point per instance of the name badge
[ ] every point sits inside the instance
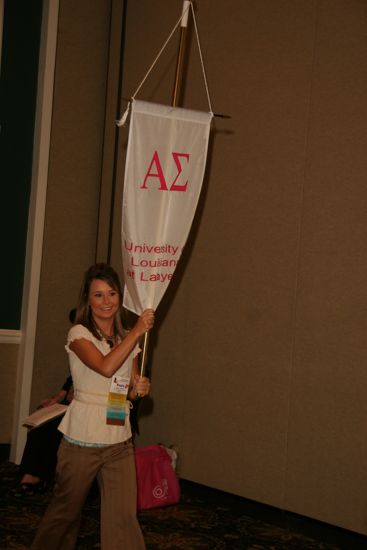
(116, 402)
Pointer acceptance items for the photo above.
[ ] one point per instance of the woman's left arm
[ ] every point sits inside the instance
(139, 385)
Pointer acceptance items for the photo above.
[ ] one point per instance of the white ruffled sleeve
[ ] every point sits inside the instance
(77, 332)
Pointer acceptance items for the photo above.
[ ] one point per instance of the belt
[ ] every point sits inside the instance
(97, 445)
(90, 398)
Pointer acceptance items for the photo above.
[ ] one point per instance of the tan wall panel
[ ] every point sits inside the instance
(327, 438)
(74, 180)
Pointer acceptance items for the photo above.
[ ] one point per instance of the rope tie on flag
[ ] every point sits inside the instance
(122, 120)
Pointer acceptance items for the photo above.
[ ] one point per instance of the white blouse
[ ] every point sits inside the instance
(85, 419)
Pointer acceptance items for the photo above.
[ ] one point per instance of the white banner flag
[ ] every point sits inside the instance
(165, 163)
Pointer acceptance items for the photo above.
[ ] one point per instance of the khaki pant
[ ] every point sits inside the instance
(77, 467)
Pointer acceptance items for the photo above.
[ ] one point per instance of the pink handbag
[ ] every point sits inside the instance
(157, 482)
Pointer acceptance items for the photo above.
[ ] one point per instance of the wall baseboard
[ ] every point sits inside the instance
(10, 336)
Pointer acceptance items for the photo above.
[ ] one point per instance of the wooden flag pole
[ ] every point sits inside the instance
(144, 354)
(181, 51)
(175, 96)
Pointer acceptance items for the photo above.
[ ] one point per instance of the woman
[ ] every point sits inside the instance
(97, 434)
(38, 463)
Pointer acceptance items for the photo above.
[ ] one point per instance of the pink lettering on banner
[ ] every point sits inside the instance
(144, 264)
(159, 262)
(155, 277)
(158, 172)
(174, 186)
(145, 248)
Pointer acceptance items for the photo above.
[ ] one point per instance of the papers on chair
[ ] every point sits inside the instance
(40, 416)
